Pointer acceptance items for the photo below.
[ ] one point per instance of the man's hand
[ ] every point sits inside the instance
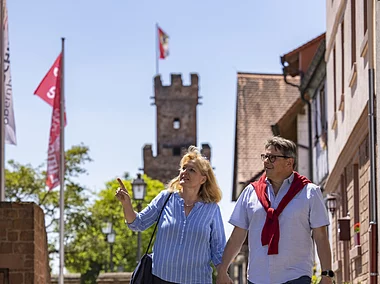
(121, 193)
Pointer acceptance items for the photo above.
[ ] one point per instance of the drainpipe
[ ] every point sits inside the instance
(372, 133)
(310, 137)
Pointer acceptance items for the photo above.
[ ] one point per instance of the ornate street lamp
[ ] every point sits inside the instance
(139, 192)
(110, 237)
(139, 188)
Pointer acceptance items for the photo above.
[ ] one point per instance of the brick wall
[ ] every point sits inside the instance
(23, 243)
(351, 261)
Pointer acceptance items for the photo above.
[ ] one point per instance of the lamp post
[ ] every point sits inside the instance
(110, 237)
(139, 192)
(331, 203)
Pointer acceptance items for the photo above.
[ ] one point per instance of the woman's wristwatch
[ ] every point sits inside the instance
(328, 273)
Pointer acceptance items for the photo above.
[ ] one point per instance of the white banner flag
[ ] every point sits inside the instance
(9, 116)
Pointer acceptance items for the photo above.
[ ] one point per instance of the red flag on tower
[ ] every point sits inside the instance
(163, 41)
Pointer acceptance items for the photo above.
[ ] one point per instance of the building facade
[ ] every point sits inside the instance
(349, 180)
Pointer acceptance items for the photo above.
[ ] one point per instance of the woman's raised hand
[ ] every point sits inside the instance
(121, 193)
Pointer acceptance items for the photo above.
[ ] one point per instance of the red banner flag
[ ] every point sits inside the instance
(47, 88)
(50, 91)
(163, 41)
(53, 161)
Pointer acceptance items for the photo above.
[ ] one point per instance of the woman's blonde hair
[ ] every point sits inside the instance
(209, 191)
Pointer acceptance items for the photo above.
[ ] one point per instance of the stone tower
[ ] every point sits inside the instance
(176, 127)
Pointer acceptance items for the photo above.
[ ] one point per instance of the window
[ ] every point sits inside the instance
(334, 74)
(353, 32)
(355, 169)
(343, 192)
(176, 151)
(342, 50)
(323, 115)
(365, 15)
(176, 123)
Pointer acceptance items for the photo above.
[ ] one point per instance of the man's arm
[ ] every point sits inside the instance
(323, 249)
(232, 248)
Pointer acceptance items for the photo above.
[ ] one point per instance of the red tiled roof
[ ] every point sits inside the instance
(262, 100)
(306, 45)
(298, 60)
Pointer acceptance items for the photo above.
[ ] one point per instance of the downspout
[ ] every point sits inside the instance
(372, 132)
(310, 137)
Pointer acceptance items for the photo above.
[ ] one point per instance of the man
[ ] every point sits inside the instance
(281, 212)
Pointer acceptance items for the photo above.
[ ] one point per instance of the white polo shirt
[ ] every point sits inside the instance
(304, 212)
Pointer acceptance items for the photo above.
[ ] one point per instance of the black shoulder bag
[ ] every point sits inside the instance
(143, 271)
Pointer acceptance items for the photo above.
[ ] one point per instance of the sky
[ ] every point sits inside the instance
(110, 64)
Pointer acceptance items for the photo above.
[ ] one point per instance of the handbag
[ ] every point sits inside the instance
(143, 271)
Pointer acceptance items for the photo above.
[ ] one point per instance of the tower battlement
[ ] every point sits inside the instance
(177, 88)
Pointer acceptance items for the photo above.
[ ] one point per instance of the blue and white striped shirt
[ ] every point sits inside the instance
(185, 245)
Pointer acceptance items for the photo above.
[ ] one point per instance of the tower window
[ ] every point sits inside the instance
(176, 151)
(176, 123)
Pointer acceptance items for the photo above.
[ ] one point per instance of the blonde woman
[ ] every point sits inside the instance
(190, 232)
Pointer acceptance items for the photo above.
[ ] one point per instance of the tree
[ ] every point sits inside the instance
(26, 183)
(89, 251)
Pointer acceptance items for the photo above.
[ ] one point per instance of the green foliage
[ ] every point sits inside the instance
(89, 250)
(315, 278)
(26, 183)
(214, 273)
(86, 250)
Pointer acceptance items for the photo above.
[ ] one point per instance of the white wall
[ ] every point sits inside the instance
(355, 97)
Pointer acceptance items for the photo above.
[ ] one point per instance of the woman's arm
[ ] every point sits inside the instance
(232, 248)
(218, 238)
(147, 217)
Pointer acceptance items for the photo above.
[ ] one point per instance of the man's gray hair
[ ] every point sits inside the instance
(286, 147)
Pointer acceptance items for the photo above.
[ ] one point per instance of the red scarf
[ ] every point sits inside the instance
(271, 231)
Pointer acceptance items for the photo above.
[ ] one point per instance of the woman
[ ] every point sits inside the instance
(190, 232)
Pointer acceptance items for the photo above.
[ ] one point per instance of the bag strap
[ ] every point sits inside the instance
(158, 219)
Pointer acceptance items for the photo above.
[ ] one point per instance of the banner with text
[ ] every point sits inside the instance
(50, 91)
(9, 116)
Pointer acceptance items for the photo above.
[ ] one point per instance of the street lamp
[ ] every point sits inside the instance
(139, 192)
(110, 237)
(331, 203)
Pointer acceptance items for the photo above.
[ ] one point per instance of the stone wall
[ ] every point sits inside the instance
(23, 243)
(103, 278)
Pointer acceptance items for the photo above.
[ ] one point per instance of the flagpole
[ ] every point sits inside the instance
(2, 89)
(157, 46)
(62, 169)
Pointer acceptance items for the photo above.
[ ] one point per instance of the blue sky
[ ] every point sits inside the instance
(110, 64)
